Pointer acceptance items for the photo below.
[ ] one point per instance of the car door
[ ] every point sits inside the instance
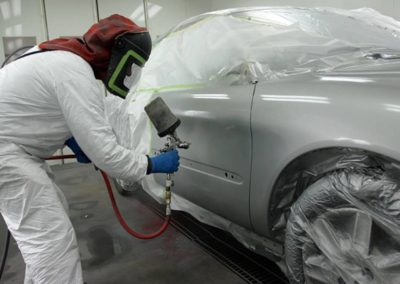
(215, 171)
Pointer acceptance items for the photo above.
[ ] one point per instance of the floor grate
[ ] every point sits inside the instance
(250, 266)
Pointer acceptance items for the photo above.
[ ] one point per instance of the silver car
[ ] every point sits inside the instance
(292, 115)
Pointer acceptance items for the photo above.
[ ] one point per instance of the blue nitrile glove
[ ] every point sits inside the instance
(80, 156)
(167, 163)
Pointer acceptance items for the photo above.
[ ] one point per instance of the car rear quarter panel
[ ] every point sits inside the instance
(299, 114)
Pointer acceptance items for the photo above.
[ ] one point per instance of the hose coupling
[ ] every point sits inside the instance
(168, 185)
(168, 197)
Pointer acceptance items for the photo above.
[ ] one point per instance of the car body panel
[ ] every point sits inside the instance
(215, 171)
(305, 113)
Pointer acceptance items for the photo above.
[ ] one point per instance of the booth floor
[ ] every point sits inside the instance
(109, 254)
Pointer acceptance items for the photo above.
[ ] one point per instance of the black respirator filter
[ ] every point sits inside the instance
(162, 117)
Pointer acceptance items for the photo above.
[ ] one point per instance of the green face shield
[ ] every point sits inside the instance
(126, 63)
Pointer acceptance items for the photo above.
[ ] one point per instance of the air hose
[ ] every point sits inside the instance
(121, 220)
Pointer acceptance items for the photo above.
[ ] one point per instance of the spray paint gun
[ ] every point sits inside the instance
(166, 124)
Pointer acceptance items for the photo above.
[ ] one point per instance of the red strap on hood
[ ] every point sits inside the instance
(97, 42)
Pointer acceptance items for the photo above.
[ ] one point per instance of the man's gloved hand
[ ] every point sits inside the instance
(80, 156)
(164, 163)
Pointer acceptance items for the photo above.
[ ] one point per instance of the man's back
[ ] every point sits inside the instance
(30, 113)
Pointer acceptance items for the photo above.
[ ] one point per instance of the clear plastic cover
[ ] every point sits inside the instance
(235, 46)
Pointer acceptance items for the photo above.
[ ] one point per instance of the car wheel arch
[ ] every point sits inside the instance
(305, 170)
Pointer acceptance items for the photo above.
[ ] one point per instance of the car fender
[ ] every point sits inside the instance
(301, 114)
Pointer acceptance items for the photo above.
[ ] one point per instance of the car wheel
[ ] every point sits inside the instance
(126, 191)
(342, 230)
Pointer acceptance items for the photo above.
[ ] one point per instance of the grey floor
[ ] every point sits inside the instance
(109, 254)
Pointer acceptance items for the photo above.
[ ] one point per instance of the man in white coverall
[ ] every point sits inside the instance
(46, 98)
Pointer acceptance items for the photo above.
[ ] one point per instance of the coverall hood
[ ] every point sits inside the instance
(96, 45)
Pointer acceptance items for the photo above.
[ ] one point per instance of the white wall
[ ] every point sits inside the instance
(387, 7)
(20, 18)
(132, 9)
(69, 18)
(163, 15)
(62, 16)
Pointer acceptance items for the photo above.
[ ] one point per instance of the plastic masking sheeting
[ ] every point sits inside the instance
(235, 46)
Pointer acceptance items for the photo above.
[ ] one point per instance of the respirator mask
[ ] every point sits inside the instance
(128, 56)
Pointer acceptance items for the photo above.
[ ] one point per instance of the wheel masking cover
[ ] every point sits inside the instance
(344, 228)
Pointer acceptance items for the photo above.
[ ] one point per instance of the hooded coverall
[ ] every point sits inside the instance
(45, 99)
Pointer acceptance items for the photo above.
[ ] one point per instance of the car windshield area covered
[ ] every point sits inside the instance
(240, 45)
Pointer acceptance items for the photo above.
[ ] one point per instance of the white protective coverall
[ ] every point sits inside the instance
(45, 99)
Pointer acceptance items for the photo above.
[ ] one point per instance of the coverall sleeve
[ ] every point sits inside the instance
(81, 102)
